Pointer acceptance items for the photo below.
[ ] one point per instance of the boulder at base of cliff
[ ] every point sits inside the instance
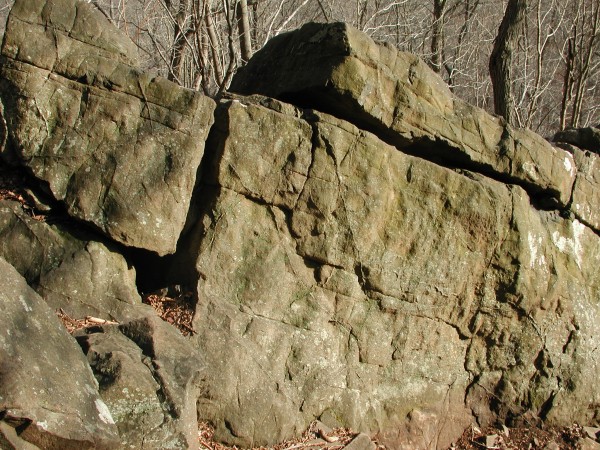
(149, 377)
(47, 390)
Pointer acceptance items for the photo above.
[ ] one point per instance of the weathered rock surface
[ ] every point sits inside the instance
(119, 147)
(584, 144)
(47, 389)
(354, 281)
(587, 138)
(149, 377)
(586, 190)
(340, 70)
(70, 271)
(388, 269)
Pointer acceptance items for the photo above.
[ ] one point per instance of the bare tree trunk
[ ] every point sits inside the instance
(231, 66)
(502, 59)
(437, 37)
(244, 30)
(179, 41)
(568, 80)
(213, 41)
(586, 53)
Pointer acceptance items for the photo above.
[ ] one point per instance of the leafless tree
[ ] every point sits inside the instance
(502, 59)
(552, 61)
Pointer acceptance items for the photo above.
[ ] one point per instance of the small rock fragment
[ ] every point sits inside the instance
(325, 432)
(552, 446)
(592, 432)
(491, 441)
(361, 442)
(588, 444)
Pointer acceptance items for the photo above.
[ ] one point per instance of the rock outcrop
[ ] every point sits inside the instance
(120, 148)
(366, 249)
(71, 270)
(47, 389)
(340, 70)
(150, 379)
(379, 290)
(584, 144)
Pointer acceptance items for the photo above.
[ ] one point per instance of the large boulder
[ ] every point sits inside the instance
(120, 148)
(385, 267)
(47, 390)
(149, 377)
(584, 144)
(586, 190)
(339, 70)
(340, 278)
(70, 269)
(587, 138)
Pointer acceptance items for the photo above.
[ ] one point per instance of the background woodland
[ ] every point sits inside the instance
(554, 44)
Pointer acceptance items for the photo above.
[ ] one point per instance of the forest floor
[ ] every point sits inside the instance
(574, 437)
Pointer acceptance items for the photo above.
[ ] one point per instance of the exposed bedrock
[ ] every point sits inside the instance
(362, 248)
(341, 278)
(117, 146)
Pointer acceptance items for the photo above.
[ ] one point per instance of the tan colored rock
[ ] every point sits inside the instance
(587, 138)
(70, 269)
(149, 376)
(9, 439)
(339, 70)
(361, 442)
(586, 190)
(360, 283)
(588, 444)
(119, 147)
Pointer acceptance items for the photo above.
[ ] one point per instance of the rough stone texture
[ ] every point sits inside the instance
(9, 440)
(340, 70)
(588, 444)
(354, 281)
(392, 272)
(70, 271)
(586, 190)
(149, 377)
(585, 138)
(361, 442)
(46, 386)
(32, 247)
(119, 147)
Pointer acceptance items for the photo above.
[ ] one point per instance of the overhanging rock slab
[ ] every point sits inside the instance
(339, 70)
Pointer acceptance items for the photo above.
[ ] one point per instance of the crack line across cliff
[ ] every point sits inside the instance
(95, 83)
(433, 149)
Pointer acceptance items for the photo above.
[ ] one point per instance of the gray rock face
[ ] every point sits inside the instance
(340, 70)
(149, 378)
(77, 274)
(119, 147)
(379, 261)
(351, 280)
(47, 389)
